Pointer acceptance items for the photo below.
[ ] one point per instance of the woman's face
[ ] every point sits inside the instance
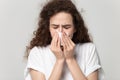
(61, 22)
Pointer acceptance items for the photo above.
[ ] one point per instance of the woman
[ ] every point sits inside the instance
(61, 48)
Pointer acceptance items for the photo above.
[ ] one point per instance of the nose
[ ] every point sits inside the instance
(60, 29)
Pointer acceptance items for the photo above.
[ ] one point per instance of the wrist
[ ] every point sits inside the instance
(70, 60)
(60, 61)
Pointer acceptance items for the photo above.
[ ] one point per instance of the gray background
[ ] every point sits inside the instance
(18, 19)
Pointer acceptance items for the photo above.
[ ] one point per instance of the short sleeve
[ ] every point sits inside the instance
(35, 61)
(93, 62)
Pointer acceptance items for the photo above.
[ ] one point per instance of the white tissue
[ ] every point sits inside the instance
(60, 36)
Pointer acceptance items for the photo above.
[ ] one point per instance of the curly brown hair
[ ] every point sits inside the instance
(42, 35)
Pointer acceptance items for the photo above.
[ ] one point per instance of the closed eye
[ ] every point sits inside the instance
(67, 26)
(54, 26)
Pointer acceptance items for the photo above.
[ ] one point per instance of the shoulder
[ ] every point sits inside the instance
(89, 45)
(85, 49)
(39, 51)
(34, 50)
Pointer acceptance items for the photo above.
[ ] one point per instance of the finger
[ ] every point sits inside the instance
(69, 40)
(64, 42)
(53, 40)
(56, 41)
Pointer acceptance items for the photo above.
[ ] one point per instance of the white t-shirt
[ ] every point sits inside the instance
(42, 59)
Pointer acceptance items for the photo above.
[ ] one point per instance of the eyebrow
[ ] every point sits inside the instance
(54, 25)
(62, 25)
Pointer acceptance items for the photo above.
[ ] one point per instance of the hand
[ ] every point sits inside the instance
(68, 47)
(55, 47)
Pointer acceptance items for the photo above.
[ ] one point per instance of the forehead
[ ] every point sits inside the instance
(61, 18)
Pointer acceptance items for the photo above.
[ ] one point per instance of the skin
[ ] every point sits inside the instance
(62, 22)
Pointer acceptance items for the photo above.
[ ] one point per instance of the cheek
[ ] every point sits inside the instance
(70, 33)
(52, 32)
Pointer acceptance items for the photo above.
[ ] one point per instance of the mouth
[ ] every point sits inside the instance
(61, 46)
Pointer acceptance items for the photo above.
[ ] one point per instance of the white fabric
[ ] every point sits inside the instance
(42, 59)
